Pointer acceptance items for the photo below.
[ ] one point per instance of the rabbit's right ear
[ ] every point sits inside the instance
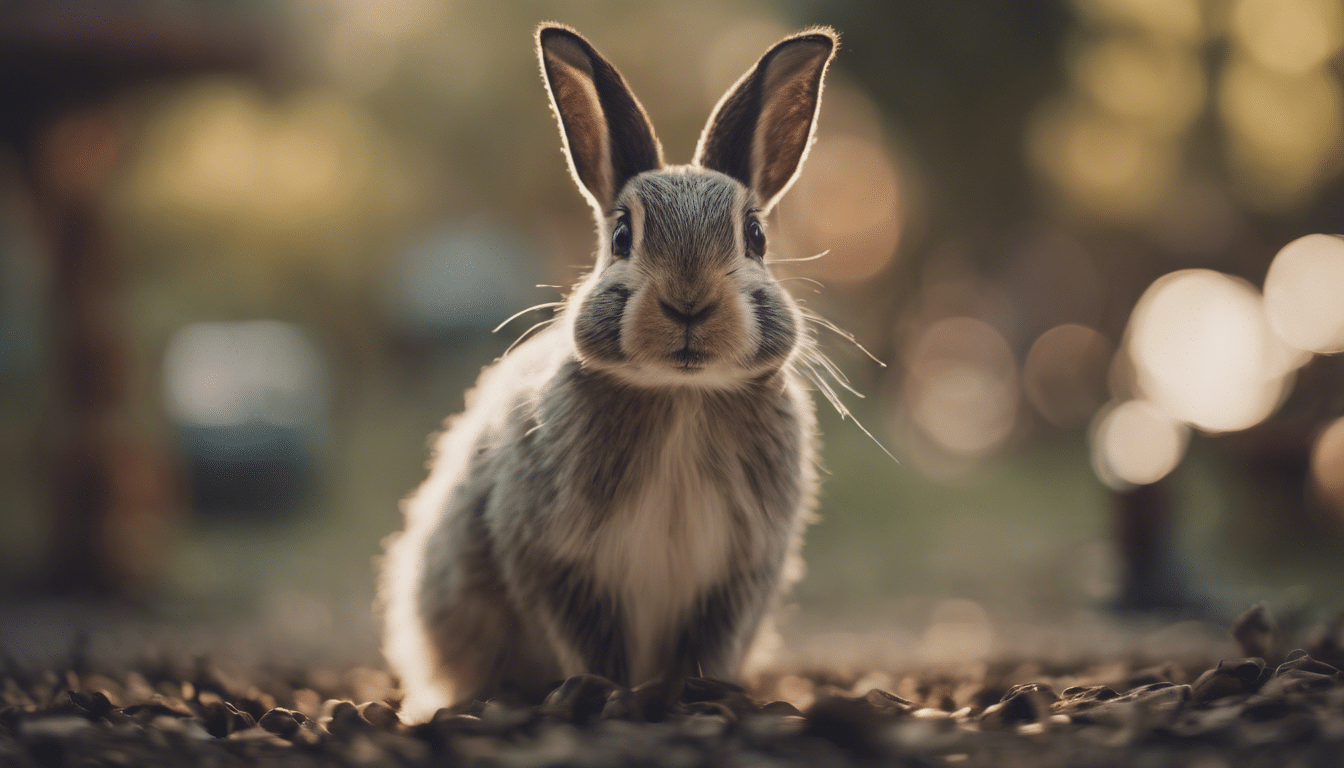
(607, 135)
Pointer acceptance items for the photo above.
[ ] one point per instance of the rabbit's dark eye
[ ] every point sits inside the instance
(621, 237)
(755, 238)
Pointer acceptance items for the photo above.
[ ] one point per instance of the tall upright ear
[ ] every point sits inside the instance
(760, 131)
(607, 135)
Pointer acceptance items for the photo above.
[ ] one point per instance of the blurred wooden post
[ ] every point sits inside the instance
(1144, 523)
(61, 68)
(91, 355)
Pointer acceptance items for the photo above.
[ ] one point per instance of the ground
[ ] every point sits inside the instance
(1275, 705)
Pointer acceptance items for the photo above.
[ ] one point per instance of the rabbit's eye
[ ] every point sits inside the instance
(755, 238)
(621, 237)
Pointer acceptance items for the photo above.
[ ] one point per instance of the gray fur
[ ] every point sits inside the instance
(626, 492)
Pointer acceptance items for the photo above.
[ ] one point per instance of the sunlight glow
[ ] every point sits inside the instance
(1105, 166)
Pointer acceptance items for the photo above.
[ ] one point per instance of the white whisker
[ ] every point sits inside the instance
(520, 313)
(815, 367)
(527, 333)
(804, 279)
(834, 371)
(806, 258)
(846, 335)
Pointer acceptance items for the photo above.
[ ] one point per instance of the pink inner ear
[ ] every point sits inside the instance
(584, 125)
(781, 138)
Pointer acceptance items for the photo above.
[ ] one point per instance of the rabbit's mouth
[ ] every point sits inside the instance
(689, 360)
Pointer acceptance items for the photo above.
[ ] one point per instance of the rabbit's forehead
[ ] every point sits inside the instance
(688, 213)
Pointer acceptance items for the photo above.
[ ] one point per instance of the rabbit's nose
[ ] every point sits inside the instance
(691, 315)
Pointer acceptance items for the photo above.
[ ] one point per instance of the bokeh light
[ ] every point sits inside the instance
(723, 61)
(1064, 374)
(1107, 167)
(1289, 36)
(253, 372)
(847, 202)
(1327, 467)
(364, 42)
(961, 386)
(1282, 129)
(1136, 443)
(1158, 85)
(1203, 351)
(307, 178)
(1304, 293)
(1177, 19)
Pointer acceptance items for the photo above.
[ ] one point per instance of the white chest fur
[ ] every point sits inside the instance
(672, 536)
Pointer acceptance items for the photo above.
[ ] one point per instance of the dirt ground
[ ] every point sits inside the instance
(1281, 703)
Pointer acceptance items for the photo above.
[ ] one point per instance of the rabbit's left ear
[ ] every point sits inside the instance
(607, 135)
(760, 130)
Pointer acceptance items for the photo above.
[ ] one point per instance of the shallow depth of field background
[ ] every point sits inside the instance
(1053, 221)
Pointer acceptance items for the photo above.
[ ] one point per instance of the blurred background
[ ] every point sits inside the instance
(252, 253)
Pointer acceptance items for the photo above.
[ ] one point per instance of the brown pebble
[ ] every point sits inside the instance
(850, 724)
(95, 703)
(1300, 660)
(380, 715)
(649, 703)
(779, 708)
(342, 719)
(1082, 698)
(1028, 703)
(281, 722)
(222, 718)
(711, 709)
(731, 695)
(1216, 684)
(579, 698)
(1256, 631)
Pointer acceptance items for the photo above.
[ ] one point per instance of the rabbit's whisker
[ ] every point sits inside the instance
(528, 333)
(805, 258)
(522, 312)
(846, 335)
(810, 358)
(804, 279)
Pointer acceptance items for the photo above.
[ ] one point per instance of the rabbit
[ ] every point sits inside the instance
(626, 492)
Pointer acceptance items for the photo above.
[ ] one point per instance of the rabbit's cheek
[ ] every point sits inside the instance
(597, 326)
(776, 327)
